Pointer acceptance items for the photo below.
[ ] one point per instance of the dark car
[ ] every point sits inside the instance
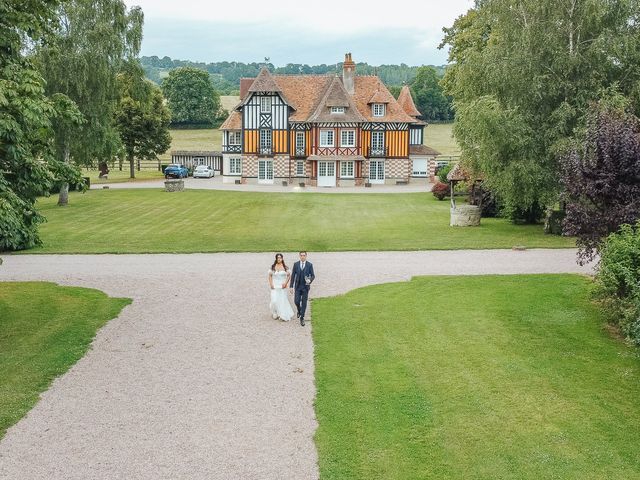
(176, 170)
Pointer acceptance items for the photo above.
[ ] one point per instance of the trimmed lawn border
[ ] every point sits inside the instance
(45, 329)
(511, 377)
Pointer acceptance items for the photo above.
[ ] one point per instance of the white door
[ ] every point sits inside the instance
(326, 174)
(265, 171)
(376, 171)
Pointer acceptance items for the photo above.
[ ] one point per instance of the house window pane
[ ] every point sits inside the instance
(235, 166)
(234, 138)
(300, 168)
(265, 104)
(337, 109)
(265, 141)
(378, 109)
(348, 138)
(326, 138)
(377, 141)
(299, 140)
(346, 169)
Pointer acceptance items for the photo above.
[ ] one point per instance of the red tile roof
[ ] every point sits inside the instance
(311, 96)
(406, 102)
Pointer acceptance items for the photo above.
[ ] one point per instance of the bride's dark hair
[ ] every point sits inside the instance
(273, 267)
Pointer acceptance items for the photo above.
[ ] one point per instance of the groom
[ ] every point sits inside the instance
(301, 278)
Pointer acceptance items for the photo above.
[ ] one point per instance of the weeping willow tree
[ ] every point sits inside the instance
(524, 76)
(91, 42)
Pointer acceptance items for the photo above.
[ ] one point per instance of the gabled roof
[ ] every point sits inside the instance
(381, 95)
(311, 97)
(335, 95)
(264, 82)
(365, 88)
(406, 102)
(233, 121)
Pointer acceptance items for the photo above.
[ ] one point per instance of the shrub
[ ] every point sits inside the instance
(440, 190)
(617, 281)
(443, 171)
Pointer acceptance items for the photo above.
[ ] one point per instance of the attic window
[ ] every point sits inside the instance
(337, 109)
(378, 109)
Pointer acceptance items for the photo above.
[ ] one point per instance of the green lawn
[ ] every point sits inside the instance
(440, 137)
(201, 139)
(477, 377)
(133, 221)
(44, 330)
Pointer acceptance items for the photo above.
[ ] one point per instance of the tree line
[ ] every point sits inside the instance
(424, 81)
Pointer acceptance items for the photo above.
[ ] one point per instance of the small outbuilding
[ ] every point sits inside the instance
(192, 158)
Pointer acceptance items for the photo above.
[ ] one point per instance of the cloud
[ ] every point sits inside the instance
(215, 41)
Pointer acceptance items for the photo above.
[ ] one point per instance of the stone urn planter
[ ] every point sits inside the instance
(465, 216)
(174, 185)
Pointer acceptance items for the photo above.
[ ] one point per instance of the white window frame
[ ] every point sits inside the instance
(353, 138)
(378, 109)
(235, 166)
(299, 140)
(235, 138)
(337, 109)
(300, 168)
(377, 145)
(326, 133)
(347, 168)
(266, 142)
(419, 173)
(265, 104)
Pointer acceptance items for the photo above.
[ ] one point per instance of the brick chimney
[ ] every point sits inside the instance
(349, 74)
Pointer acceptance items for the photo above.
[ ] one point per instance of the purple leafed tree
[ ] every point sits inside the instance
(601, 180)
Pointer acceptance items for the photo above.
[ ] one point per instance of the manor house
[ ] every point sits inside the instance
(324, 130)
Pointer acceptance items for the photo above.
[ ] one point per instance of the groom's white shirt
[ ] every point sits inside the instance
(302, 264)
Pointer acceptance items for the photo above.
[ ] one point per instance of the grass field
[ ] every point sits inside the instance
(44, 330)
(478, 377)
(132, 221)
(440, 137)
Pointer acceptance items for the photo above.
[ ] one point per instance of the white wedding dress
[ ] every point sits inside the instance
(279, 305)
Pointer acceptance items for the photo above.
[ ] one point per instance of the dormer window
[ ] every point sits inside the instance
(265, 104)
(378, 109)
(337, 109)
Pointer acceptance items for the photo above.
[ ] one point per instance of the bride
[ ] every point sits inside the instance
(278, 280)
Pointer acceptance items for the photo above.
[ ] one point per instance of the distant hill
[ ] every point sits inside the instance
(226, 75)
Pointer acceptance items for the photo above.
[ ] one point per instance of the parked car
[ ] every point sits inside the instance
(439, 165)
(203, 171)
(176, 170)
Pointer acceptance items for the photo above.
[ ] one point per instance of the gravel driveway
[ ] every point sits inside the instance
(194, 380)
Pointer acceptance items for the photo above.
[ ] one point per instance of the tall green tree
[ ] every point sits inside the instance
(523, 76)
(142, 117)
(429, 97)
(92, 40)
(28, 166)
(191, 96)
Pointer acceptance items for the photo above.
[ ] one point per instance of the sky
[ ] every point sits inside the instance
(288, 31)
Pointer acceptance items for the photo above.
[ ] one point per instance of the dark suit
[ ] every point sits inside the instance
(300, 287)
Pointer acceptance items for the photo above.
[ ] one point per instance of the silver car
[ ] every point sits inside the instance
(203, 171)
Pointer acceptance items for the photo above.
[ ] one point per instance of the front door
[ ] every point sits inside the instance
(326, 174)
(376, 171)
(265, 171)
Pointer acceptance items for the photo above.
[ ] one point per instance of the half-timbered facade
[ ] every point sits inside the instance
(323, 130)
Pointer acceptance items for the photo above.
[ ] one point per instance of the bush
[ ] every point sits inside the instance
(618, 280)
(443, 171)
(440, 190)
